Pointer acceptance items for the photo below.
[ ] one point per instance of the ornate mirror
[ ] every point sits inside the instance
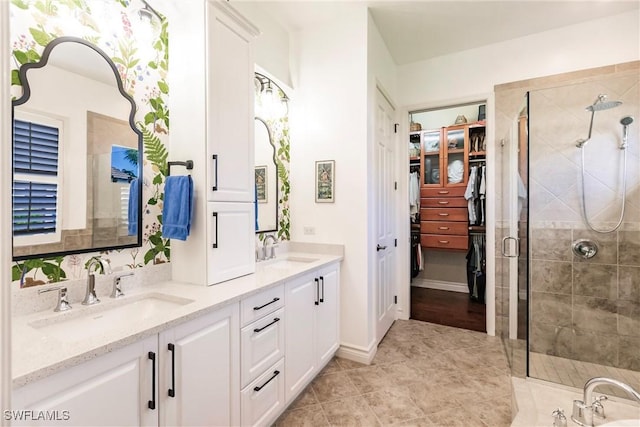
(266, 176)
(77, 171)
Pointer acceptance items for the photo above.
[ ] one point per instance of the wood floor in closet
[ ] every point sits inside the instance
(447, 308)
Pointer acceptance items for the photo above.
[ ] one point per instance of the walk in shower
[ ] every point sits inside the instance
(568, 269)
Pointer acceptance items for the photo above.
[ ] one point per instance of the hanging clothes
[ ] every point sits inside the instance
(476, 268)
(414, 195)
(470, 195)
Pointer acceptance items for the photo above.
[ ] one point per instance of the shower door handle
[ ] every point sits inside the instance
(504, 247)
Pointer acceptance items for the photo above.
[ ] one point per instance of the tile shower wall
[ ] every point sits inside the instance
(587, 310)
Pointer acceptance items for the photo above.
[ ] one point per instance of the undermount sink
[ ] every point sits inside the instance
(287, 262)
(81, 323)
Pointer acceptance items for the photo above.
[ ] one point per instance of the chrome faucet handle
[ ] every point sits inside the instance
(598, 407)
(62, 304)
(559, 419)
(116, 292)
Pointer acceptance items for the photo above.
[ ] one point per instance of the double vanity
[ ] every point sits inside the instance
(177, 354)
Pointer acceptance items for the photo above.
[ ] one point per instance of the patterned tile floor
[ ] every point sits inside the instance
(423, 375)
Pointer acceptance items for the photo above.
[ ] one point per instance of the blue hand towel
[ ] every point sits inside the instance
(178, 207)
(132, 207)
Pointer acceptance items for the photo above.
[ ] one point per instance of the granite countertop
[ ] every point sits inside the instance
(37, 354)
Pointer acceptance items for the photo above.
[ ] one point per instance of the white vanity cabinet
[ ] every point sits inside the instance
(262, 356)
(117, 389)
(188, 375)
(312, 329)
(212, 123)
(200, 371)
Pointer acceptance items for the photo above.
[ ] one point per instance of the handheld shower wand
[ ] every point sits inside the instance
(625, 122)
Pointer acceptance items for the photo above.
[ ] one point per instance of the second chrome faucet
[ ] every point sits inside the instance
(90, 295)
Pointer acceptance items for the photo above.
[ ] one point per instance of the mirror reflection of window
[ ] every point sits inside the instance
(36, 179)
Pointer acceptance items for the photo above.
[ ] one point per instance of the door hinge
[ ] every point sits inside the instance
(395, 127)
(395, 299)
(395, 243)
(395, 185)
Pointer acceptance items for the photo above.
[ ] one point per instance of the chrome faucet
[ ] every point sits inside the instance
(583, 411)
(116, 292)
(62, 304)
(272, 254)
(90, 296)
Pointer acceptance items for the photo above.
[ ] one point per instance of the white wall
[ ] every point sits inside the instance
(329, 122)
(605, 41)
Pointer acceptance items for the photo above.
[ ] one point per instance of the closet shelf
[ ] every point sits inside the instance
(477, 153)
(477, 228)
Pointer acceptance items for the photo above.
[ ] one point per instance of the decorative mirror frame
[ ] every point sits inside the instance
(275, 163)
(26, 94)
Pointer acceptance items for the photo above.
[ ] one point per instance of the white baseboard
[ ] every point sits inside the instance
(357, 353)
(441, 285)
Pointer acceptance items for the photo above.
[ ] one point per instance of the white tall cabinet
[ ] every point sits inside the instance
(211, 83)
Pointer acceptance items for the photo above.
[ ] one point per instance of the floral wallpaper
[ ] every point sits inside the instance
(140, 51)
(278, 121)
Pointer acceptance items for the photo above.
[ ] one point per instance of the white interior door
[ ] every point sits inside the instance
(384, 214)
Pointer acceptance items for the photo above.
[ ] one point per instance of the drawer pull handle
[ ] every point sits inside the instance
(443, 228)
(444, 242)
(264, 305)
(443, 214)
(442, 202)
(214, 157)
(443, 192)
(275, 320)
(258, 388)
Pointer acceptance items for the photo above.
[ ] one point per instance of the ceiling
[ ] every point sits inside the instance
(422, 29)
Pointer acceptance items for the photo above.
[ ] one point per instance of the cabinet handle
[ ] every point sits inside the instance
(172, 390)
(258, 388)
(443, 214)
(444, 242)
(215, 244)
(322, 280)
(443, 228)
(275, 320)
(152, 402)
(443, 192)
(317, 291)
(264, 305)
(215, 176)
(443, 202)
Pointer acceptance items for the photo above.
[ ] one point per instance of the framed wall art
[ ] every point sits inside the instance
(325, 181)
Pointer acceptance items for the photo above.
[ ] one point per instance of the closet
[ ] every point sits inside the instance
(447, 199)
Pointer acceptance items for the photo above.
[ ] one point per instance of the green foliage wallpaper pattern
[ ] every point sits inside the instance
(113, 26)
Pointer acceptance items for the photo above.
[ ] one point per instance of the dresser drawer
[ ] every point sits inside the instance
(263, 399)
(442, 191)
(256, 306)
(261, 345)
(444, 227)
(444, 214)
(442, 241)
(443, 202)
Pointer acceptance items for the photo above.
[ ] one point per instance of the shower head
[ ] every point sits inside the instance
(625, 122)
(601, 103)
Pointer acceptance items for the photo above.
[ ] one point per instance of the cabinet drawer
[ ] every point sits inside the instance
(444, 214)
(443, 202)
(261, 345)
(263, 399)
(444, 241)
(256, 306)
(442, 192)
(443, 227)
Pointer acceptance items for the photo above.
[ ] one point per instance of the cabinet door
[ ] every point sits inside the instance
(327, 315)
(300, 305)
(456, 156)
(110, 390)
(231, 241)
(229, 106)
(431, 158)
(202, 371)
